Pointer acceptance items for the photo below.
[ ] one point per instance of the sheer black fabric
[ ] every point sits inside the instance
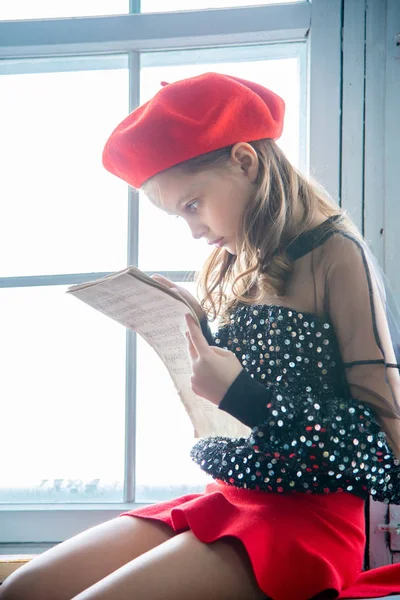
(356, 302)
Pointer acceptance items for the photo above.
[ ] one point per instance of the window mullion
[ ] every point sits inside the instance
(131, 345)
(134, 6)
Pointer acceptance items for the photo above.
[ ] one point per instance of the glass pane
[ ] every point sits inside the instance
(164, 433)
(46, 9)
(60, 210)
(156, 252)
(156, 231)
(63, 399)
(171, 5)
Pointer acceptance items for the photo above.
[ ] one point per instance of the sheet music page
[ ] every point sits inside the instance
(159, 318)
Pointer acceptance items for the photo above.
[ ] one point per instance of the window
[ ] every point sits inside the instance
(55, 115)
(60, 213)
(89, 436)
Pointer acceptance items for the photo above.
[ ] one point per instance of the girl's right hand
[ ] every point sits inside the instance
(191, 300)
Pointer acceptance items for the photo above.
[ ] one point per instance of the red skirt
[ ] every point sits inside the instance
(300, 545)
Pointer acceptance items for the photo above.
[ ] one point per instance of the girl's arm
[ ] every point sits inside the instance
(356, 304)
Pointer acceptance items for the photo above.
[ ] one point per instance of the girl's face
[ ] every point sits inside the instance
(213, 201)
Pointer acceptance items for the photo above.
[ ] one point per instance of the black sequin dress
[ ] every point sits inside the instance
(308, 433)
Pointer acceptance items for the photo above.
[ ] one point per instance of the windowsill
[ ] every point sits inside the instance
(11, 562)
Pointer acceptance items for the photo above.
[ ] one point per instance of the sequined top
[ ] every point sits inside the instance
(308, 434)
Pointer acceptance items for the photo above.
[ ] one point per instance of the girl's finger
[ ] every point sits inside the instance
(196, 335)
(192, 350)
(220, 351)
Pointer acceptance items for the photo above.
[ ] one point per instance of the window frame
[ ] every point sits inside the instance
(28, 524)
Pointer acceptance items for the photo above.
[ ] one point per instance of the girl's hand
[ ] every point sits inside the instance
(182, 292)
(214, 369)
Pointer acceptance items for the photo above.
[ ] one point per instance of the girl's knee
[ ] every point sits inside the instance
(22, 585)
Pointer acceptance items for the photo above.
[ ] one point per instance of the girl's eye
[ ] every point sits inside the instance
(192, 206)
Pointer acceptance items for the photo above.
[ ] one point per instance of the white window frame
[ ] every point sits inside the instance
(23, 527)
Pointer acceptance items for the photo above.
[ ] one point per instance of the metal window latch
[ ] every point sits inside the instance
(390, 527)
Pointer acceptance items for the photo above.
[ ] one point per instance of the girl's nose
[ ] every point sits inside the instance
(198, 232)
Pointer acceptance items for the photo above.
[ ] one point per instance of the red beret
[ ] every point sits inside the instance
(188, 118)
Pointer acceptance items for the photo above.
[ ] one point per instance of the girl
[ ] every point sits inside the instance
(303, 356)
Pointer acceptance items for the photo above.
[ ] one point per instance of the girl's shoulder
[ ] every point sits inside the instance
(330, 239)
(341, 249)
(343, 242)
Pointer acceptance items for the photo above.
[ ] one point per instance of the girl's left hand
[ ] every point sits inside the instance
(214, 369)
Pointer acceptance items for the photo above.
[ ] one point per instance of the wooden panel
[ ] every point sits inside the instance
(374, 169)
(325, 94)
(394, 519)
(392, 149)
(352, 194)
(379, 552)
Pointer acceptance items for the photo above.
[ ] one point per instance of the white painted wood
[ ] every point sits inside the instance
(52, 523)
(7, 549)
(379, 552)
(325, 94)
(352, 184)
(392, 151)
(374, 168)
(122, 33)
(394, 519)
(374, 198)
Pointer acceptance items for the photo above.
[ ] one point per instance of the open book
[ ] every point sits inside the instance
(157, 314)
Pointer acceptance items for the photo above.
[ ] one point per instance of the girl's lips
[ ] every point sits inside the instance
(219, 242)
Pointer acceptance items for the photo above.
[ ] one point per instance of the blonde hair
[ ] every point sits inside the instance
(261, 264)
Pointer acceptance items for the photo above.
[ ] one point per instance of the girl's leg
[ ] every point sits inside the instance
(182, 568)
(76, 564)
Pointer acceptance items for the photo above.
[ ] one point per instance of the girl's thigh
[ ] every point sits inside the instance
(76, 564)
(182, 568)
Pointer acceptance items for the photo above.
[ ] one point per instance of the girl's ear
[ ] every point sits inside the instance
(244, 156)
